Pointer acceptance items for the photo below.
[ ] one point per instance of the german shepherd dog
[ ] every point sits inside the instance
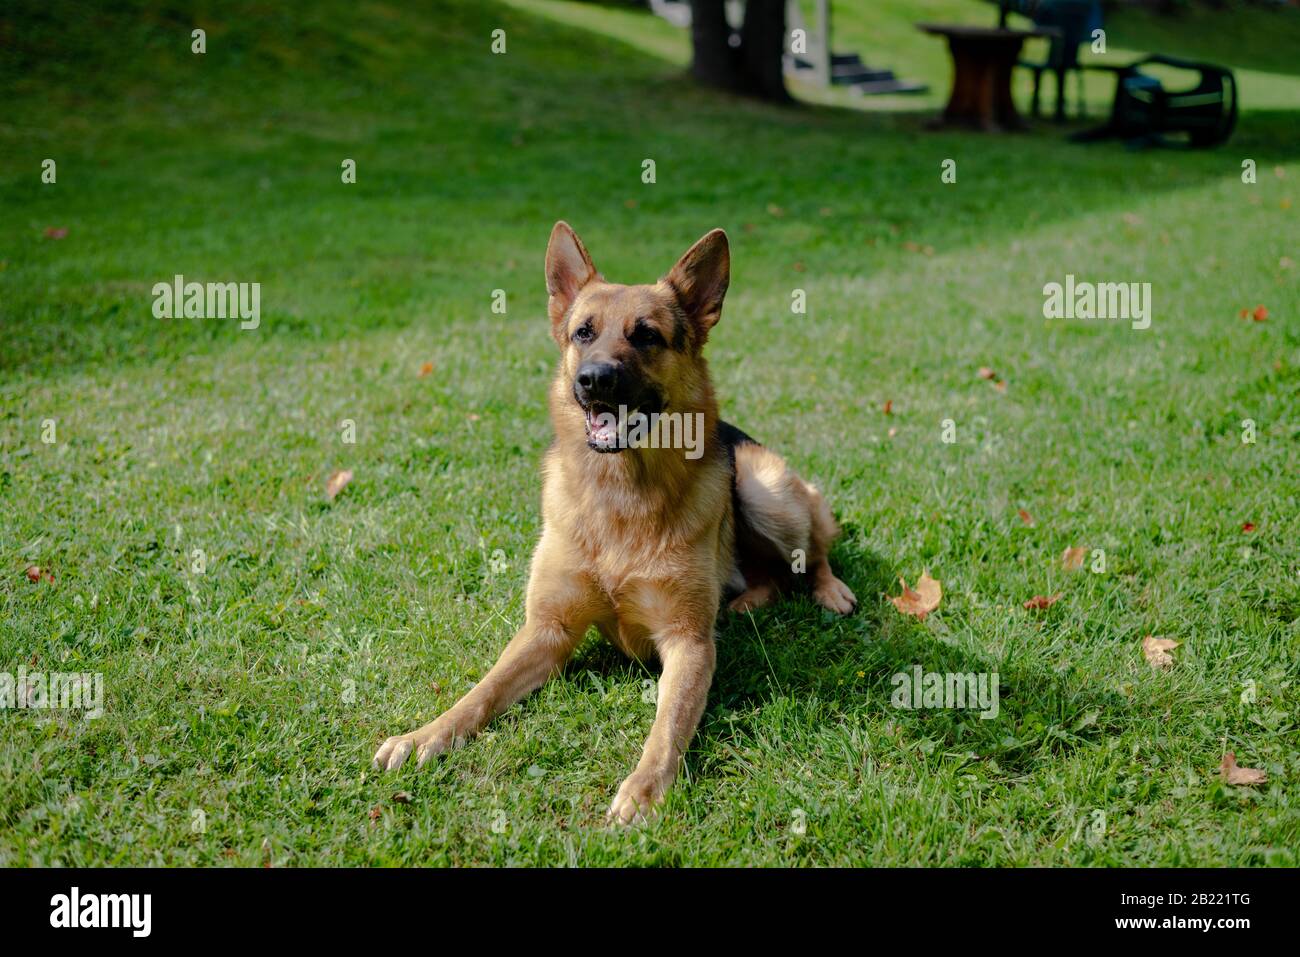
(644, 542)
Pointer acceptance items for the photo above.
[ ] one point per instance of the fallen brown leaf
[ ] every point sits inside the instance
(1233, 773)
(1025, 517)
(889, 407)
(1043, 601)
(987, 373)
(425, 369)
(1072, 558)
(922, 601)
(56, 232)
(337, 482)
(1157, 651)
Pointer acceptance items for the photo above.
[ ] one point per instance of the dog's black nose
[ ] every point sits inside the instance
(598, 378)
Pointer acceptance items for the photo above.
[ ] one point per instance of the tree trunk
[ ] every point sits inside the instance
(762, 46)
(714, 62)
(756, 67)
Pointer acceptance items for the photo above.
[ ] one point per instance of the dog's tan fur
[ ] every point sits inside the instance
(643, 543)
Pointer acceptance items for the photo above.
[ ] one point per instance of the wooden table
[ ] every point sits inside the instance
(982, 60)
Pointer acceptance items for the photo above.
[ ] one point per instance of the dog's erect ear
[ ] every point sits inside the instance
(700, 281)
(568, 269)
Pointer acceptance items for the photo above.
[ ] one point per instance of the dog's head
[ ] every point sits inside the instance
(634, 347)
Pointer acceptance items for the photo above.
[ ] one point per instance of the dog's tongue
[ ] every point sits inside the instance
(602, 429)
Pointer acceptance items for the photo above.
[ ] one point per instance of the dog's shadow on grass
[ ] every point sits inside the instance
(800, 654)
(795, 646)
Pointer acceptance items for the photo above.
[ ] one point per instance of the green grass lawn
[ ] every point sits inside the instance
(256, 691)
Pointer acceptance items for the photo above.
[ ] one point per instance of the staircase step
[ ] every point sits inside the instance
(881, 87)
(845, 76)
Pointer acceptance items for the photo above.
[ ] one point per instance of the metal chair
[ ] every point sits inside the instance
(1073, 21)
(1144, 112)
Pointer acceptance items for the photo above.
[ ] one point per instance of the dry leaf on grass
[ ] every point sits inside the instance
(337, 483)
(1157, 651)
(426, 369)
(889, 407)
(56, 232)
(1072, 558)
(1043, 601)
(922, 601)
(1025, 517)
(1235, 774)
(998, 383)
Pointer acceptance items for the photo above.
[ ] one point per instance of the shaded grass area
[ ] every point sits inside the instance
(255, 691)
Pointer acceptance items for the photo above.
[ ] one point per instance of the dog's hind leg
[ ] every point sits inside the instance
(828, 591)
(786, 528)
(559, 610)
(754, 596)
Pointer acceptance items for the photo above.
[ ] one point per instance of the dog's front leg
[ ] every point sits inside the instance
(560, 606)
(688, 661)
(537, 651)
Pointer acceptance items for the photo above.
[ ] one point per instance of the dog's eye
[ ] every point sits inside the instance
(645, 335)
(584, 333)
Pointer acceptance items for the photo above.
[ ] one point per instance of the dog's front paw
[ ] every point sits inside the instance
(833, 594)
(637, 800)
(428, 741)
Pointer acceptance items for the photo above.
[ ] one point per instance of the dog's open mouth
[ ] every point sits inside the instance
(603, 428)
